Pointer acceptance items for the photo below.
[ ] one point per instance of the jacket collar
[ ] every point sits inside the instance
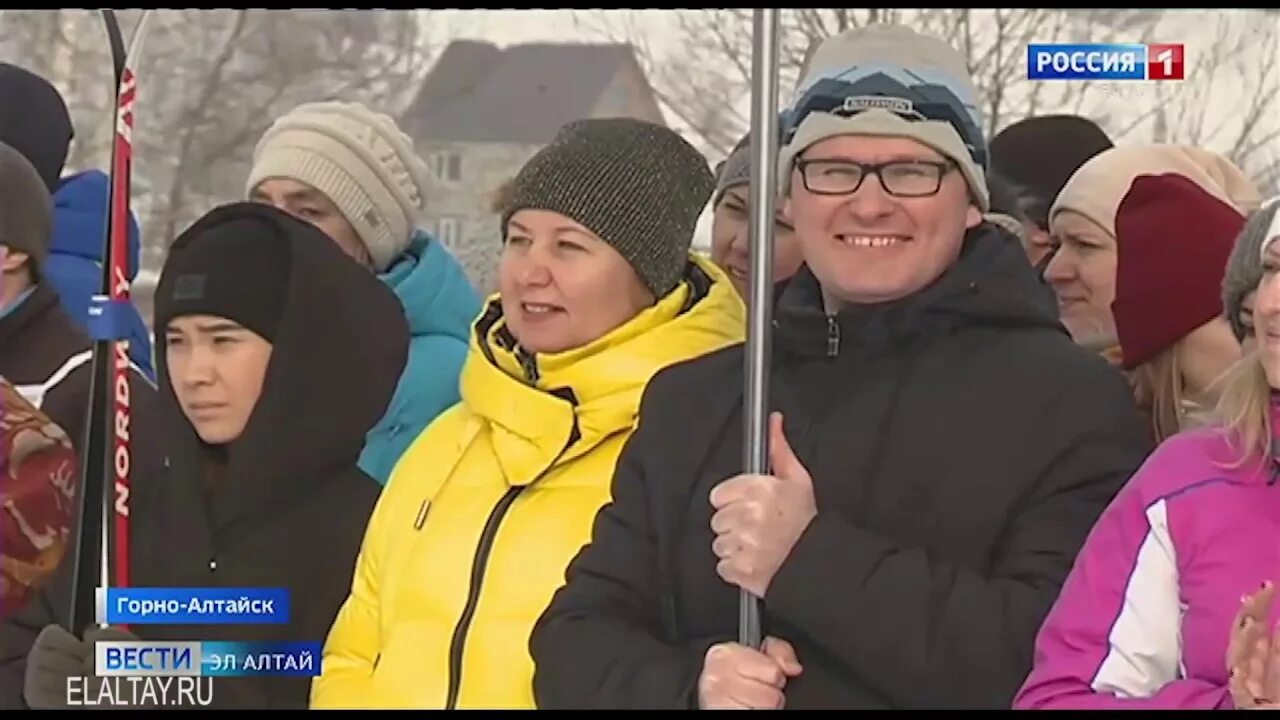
(549, 407)
(30, 311)
(433, 289)
(991, 284)
(805, 328)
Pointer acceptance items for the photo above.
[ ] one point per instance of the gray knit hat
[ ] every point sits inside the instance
(639, 186)
(26, 208)
(734, 170)
(1244, 267)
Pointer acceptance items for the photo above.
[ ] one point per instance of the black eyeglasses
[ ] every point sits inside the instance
(899, 178)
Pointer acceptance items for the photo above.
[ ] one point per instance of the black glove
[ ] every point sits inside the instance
(58, 655)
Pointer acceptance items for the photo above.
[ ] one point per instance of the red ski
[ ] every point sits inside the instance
(107, 462)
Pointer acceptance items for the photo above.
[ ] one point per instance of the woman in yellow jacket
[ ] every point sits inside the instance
(598, 292)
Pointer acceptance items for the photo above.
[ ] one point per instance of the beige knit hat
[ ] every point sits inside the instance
(360, 160)
(1096, 189)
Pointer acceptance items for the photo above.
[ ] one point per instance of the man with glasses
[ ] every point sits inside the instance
(939, 447)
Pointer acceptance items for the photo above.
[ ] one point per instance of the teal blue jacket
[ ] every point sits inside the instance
(440, 304)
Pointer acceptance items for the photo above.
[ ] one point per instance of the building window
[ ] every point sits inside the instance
(447, 166)
(449, 232)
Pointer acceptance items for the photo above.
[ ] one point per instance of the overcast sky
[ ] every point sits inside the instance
(504, 27)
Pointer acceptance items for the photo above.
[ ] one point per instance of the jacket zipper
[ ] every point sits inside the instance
(459, 641)
(833, 337)
(529, 364)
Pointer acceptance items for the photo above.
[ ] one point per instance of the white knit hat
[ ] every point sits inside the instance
(360, 160)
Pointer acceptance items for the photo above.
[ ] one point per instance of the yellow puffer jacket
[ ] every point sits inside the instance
(484, 512)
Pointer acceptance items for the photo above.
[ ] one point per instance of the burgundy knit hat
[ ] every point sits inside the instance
(1173, 241)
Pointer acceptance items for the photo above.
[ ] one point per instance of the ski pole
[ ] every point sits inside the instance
(764, 161)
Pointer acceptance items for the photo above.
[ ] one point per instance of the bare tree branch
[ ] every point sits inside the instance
(1262, 103)
(707, 78)
(203, 100)
(210, 93)
(212, 84)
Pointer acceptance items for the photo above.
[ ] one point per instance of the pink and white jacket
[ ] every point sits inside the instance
(1143, 619)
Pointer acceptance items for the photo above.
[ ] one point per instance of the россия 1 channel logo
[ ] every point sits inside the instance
(1105, 61)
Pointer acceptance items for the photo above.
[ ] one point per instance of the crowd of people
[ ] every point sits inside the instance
(1023, 393)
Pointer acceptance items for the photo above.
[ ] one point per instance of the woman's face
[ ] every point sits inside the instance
(217, 368)
(1083, 276)
(561, 285)
(310, 205)
(1249, 342)
(1266, 315)
(731, 241)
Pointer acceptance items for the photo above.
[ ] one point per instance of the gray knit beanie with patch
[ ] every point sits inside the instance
(639, 186)
(1244, 266)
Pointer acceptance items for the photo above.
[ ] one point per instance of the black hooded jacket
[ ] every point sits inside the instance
(35, 121)
(290, 508)
(961, 447)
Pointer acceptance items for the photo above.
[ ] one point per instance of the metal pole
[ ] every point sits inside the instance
(764, 161)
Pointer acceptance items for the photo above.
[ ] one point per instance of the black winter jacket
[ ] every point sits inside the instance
(961, 447)
(289, 507)
(49, 359)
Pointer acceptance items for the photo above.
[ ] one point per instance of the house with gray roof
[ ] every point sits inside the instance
(483, 111)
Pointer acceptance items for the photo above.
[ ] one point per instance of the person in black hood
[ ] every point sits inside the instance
(38, 125)
(34, 121)
(939, 448)
(277, 354)
(1038, 155)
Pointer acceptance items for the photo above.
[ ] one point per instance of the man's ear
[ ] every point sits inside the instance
(15, 259)
(972, 217)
